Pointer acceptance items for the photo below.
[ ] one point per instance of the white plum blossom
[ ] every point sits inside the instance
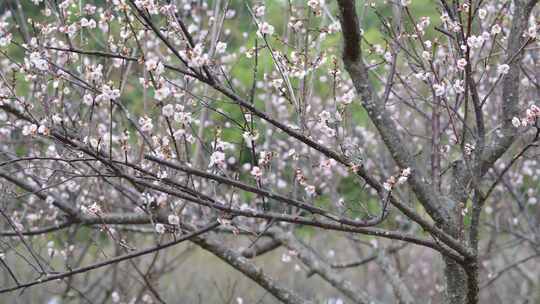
(439, 89)
(406, 172)
(310, 190)
(151, 64)
(57, 119)
(160, 228)
(286, 258)
(475, 41)
(532, 31)
(503, 69)
(221, 47)
(459, 86)
(406, 2)
(167, 110)
(468, 148)
(95, 73)
(6, 39)
(43, 130)
(88, 23)
(195, 57)
(115, 297)
(88, 99)
(482, 13)
(107, 94)
(334, 27)
(217, 159)
(516, 122)
(146, 123)
(348, 97)
(29, 129)
(162, 93)
(277, 83)
(250, 137)
(38, 61)
(392, 181)
(328, 131)
(173, 219)
(496, 29)
(315, 4)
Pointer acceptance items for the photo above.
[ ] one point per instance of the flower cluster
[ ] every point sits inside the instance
(302, 180)
(531, 116)
(392, 181)
(195, 57)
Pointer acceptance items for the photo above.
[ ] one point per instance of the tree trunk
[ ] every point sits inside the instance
(456, 283)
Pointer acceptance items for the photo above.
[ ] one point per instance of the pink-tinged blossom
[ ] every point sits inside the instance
(532, 114)
(535, 110)
(266, 29)
(260, 11)
(390, 182)
(462, 63)
(256, 172)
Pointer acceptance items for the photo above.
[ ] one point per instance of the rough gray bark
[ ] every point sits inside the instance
(249, 269)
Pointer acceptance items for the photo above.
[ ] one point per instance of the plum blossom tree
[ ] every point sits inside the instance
(131, 126)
